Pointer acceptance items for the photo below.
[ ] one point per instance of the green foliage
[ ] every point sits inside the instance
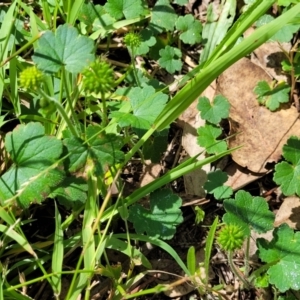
(153, 148)
(170, 59)
(181, 2)
(213, 112)
(163, 17)
(124, 8)
(284, 35)
(71, 189)
(248, 212)
(215, 185)
(63, 49)
(292, 68)
(271, 97)
(162, 218)
(147, 40)
(146, 106)
(216, 27)
(34, 171)
(89, 12)
(132, 40)
(207, 138)
(95, 155)
(287, 2)
(287, 173)
(283, 254)
(190, 29)
(103, 23)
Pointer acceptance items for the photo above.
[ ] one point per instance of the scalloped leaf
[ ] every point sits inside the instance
(162, 218)
(64, 48)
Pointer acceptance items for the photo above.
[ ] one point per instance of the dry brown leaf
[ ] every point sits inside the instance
(261, 132)
(252, 246)
(269, 57)
(238, 177)
(289, 213)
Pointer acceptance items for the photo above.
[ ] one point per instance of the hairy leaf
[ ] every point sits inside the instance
(64, 48)
(34, 171)
(248, 212)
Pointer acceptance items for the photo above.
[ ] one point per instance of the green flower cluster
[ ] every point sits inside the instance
(132, 40)
(98, 77)
(31, 78)
(231, 237)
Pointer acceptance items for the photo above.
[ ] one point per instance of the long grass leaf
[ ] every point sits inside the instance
(10, 232)
(160, 244)
(58, 254)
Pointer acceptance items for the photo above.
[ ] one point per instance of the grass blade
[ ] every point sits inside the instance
(8, 231)
(58, 254)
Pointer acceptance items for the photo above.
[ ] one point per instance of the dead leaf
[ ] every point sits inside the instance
(289, 213)
(269, 57)
(238, 177)
(252, 246)
(261, 132)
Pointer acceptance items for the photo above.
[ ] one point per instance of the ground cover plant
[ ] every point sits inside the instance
(89, 92)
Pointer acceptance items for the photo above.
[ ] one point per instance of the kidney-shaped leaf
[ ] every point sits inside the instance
(33, 172)
(162, 218)
(146, 106)
(284, 251)
(100, 151)
(248, 212)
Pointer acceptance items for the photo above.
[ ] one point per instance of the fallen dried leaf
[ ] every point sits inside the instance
(289, 213)
(261, 132)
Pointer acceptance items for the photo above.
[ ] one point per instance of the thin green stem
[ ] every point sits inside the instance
(246, 260)
(104, 110)
(61, 111)
(70, 104)
(134, 68)
(235, 271)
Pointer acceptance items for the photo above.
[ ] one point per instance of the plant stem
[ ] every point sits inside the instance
(235, 271)
(104, 110)
(70, 104)
(246, 260)
(61, 111)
